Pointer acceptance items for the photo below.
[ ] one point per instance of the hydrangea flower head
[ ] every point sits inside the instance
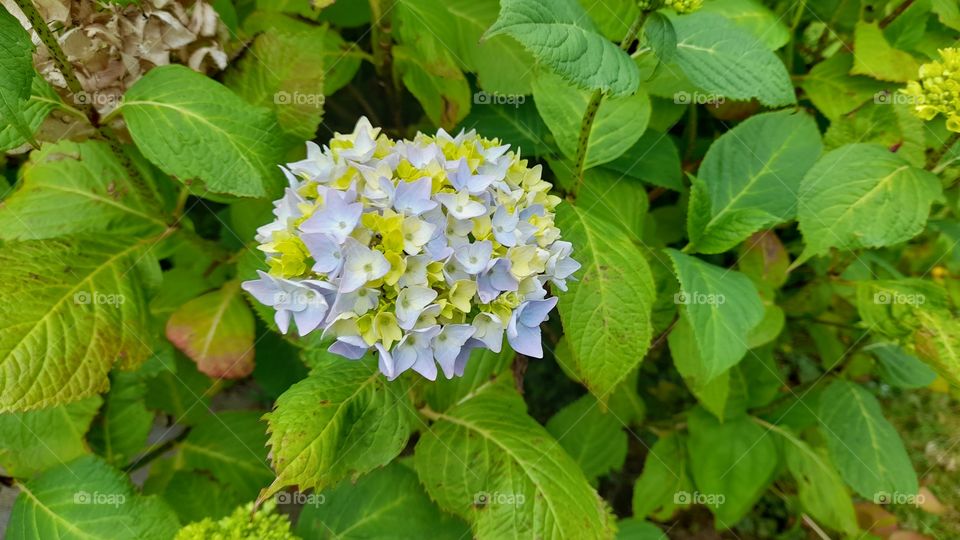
(938, 90)
(421, 250)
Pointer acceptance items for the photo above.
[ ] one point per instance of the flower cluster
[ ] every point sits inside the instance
(423, 249)
(938, 90)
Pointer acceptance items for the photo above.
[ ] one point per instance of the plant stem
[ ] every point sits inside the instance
(586, 125)
(381, 43)
(156, 452)
(895, 13)
(935, 157)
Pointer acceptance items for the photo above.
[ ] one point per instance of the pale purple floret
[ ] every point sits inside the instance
(523, 330)
(337, 218)
(495, 280)
(306, 301)
(415, 351)
(413, 198)
(448, 344)
(473, 258)
(326, 253)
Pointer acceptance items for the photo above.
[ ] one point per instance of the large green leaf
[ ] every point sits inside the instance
(819, 487)
(520, 126)
(488, 462)
(722, 306)
(389, 501)
(216, 331)
(863, 196)
(438, 85)
(865, 447)
(874, 56)
(722, 58)
(72, 308)
(562, 107)
(70, 188)
(754, 17)
(606, 314)
(284, 72)
(586, 58)
(43, 99)
(899, 368)
(124, 423)
(86, 499)
(834, 91)
(732, 463)
(16, 73)
(33, 441)
(195, 129)
(592, 436)
(481, 369)
(751, 176)
(501, 66)
(665, 478)
(344, 420)
(231, 446)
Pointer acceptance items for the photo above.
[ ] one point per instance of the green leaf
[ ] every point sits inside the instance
(216, 331)
(121, 430)
(594, 438)
(714, 393)
(33, 441)
(948, 12)
(863, 196)
(865, 447)
(194, 496)
(481, 369)
(587, 59)
(43, 99)
(16, 73)
(389, 501)
(72, 308)
(441, 88)
(86, 499)
(194, 128)
(71, 188)
(562, 107)
(340, 59)
(721, 58)
(732, 463)
(230, 445)
(937, 342)
(875, 57)
(751, 176)
(606, 314)
(653, 159)
(612, 17)
(722, 306)
(342, 421)
(664, 479)
(180, 390)
(899, 368)
(501, 66)
(884, 122)
(633, 529)
(754, 17)
(520, 125)
(488, 462)
(819, 487)
(834, 91)
(285, 72)
(609, 192)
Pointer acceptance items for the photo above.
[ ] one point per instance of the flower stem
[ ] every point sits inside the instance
(586, 125)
